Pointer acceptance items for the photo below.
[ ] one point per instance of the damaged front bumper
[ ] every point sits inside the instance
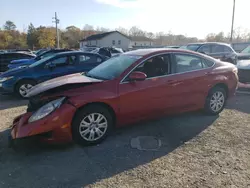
(54, 128)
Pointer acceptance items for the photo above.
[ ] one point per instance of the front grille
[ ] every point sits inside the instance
(244, 75)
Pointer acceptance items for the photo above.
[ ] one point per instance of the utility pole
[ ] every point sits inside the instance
(56, 20)
(232, 26)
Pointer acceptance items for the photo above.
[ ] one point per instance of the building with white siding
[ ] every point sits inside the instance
(108, 39)
(141, 41)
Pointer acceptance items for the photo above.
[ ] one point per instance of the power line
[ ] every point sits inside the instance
(56, 20)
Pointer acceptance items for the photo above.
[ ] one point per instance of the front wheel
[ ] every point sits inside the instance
(215, 101)
(91, 125)
(23, 87)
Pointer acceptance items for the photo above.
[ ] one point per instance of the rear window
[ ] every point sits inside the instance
(193, 47)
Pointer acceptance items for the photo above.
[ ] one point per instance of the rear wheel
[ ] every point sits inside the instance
(91, 125)
(215, 101)
(23, 87)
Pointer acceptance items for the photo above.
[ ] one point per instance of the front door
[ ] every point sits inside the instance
(147, 98)
(62, 65)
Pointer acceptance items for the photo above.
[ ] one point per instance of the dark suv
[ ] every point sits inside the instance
(6, 58)
(222, 51)
(25, 62)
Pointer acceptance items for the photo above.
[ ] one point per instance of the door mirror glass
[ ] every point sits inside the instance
(137, 76)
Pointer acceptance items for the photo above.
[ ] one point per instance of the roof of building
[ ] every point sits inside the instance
(140, 38)
(102, 35)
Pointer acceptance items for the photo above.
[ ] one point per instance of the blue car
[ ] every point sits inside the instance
(20, 80)
(21, 62)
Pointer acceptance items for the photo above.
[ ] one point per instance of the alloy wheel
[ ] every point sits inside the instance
(93, 126)
(217, 101)
(23, 89)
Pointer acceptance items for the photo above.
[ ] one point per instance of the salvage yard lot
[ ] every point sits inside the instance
(196, 151)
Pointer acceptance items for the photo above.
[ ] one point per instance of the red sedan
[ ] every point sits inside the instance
(137, 85)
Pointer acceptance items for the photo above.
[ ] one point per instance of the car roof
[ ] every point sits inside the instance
(74, 52)
(20, 52)
(202, 43)
(144, 52)
(54, 50)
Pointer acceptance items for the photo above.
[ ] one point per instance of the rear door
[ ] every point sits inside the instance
(218, 51)
(191, 80)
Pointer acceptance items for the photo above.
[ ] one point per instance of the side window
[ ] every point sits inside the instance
(13, 56)
(186, 63)
(72, 60)
(156, 66)
(119, 42)
(217, 48)
(5, 57)
(24, 56)
(83, 59)
(227, 49)
(113, 42)
(205, 48)
(59, 62)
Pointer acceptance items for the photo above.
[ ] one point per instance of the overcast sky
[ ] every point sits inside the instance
(189, 17)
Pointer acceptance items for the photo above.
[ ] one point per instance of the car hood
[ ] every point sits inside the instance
(243, 64)
(242, 56)
(22, 61)
(12, 72)
(77, 78)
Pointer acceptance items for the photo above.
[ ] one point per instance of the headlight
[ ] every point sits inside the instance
(5, 78)
(46, 110)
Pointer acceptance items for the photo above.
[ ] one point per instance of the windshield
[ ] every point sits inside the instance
(246, 50)
(113, 67)
(44, 54)
(193, 47)
(183, 47)
(39, 62)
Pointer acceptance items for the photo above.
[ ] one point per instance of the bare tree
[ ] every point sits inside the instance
(150, 35)
(135, 31)
(122, 30)
(102, 29)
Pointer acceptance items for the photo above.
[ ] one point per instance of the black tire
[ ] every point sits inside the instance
(20, 84)
(208, 108)
(81, 115)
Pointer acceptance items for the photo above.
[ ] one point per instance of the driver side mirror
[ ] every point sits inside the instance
(137, 76)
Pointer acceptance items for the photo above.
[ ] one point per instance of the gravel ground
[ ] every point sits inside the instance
(196, 151)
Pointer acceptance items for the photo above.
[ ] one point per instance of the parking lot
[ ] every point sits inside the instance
(196, 151)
